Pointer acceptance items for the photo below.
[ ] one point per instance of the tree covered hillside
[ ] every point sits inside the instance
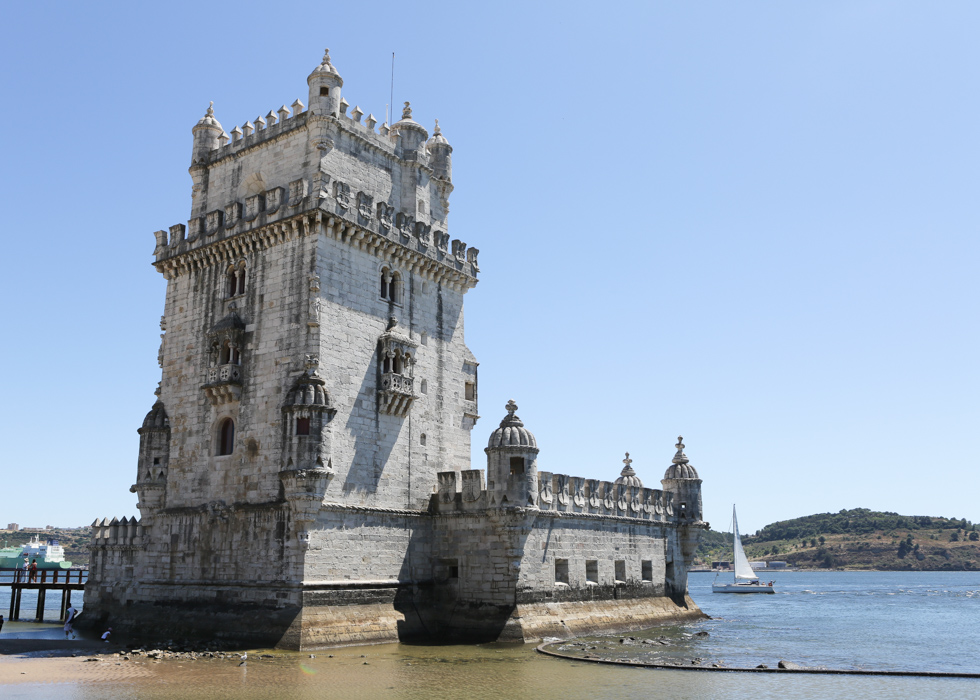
(858, 539)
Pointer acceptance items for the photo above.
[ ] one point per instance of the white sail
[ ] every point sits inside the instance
(743, 572)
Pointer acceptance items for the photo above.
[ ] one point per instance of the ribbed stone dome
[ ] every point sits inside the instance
(209, 120)
(681, 468)
(628, 476)
(310, 390)
(512, 432)
(437, 138)
(157, 418)
(325, 65)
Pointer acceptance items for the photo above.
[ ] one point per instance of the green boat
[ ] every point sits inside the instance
(49, 555)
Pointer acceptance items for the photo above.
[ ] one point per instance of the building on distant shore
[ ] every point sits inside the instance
(304, 475)
(14, 527)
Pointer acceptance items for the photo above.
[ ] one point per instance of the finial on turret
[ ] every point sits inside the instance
(627, 469)
(680, 457)
(326, 57)
(511, 408)
(437, 130)
(210, 111)
(407, 111)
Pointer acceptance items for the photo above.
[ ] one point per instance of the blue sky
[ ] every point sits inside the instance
(750, 223)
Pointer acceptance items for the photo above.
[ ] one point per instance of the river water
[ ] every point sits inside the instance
(889, 621)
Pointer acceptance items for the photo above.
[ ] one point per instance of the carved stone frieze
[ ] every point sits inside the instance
(364, 202)
(233, 214)
(214, 221)
(341, 192)
(297, 192)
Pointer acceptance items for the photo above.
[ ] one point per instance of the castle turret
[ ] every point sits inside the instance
(325, 83)
(512, 466)
(440, 154)
(412, 134)
(681, 479)
(154, 459)
(207, 136)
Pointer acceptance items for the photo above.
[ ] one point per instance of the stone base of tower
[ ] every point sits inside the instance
(538, 621)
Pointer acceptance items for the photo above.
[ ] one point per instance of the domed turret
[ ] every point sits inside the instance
(325, 83)
(157, 418)
(680, 468)
(681, 480)
(512, 432)
(441, 154)
(207, 134)
(628, 477)
(412, 133)
(512, 467)
(306, 414)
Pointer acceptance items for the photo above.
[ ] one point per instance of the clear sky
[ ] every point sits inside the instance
(753, 224)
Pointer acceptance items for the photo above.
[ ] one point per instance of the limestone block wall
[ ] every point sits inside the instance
(363, 546)
(590, 548)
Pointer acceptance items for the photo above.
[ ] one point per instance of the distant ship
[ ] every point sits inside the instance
(49, 555)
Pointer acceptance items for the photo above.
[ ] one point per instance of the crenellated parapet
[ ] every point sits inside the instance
(115, 533)
(466, 492)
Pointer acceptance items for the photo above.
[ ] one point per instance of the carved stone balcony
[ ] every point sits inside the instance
(224, 383)
(396, 394)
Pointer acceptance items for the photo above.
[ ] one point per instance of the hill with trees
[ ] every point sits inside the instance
(857, 539)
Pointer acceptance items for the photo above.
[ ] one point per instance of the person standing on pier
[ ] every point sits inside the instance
(32, 572)
(69, 620)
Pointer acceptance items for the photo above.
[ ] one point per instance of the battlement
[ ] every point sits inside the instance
(127, 532)
(561, 493)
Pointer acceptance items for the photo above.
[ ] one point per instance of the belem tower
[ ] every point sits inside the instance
(304, 476)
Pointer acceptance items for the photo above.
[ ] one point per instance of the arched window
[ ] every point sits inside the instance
(235, 280)
(425, 386)
(385, 282)
(391, 285)
(422, 439)
(395, 288)
(226, 437)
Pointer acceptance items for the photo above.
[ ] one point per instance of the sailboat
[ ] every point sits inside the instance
(745, 579)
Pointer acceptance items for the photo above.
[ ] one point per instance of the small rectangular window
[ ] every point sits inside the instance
(324, 91)
(470, 391)
(156, 460)
(561, 571)
(516, 465)
(620, 571)
(592, 571)
(302, 426)
(454, 571)
(647, 570)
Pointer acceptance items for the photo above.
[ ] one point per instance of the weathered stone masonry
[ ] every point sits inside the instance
(303, 476)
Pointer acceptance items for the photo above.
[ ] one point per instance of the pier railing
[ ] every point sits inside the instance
(42, 580)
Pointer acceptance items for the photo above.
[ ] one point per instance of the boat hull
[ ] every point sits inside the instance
(741, 588)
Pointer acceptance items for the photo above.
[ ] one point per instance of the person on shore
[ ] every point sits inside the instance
(32, 578)
(69, 621)
(106, 635)
(1, 623)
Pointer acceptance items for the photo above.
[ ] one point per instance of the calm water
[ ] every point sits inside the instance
(926, 621)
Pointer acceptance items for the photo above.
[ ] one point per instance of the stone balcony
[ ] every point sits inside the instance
(396, 394)
(223, 383)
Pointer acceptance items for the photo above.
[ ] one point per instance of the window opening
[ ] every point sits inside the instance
(592, 571)
(516, 465)
(620, 571)
(470, 391)
(226, 437)
(561, 571)
(302, 426)
(647, 570)
(422, 439)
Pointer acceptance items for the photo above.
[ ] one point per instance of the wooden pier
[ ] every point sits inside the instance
(44, 580)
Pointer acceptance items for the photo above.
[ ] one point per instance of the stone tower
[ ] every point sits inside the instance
(304, 474)
(315, 376)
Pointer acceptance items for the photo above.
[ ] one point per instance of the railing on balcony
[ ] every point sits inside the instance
(224, 374)
(398, 383)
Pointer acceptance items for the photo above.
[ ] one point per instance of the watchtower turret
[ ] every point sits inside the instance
(412, 134)
(325, 83)
(681, 478)
(441, 155)
(512, 466)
